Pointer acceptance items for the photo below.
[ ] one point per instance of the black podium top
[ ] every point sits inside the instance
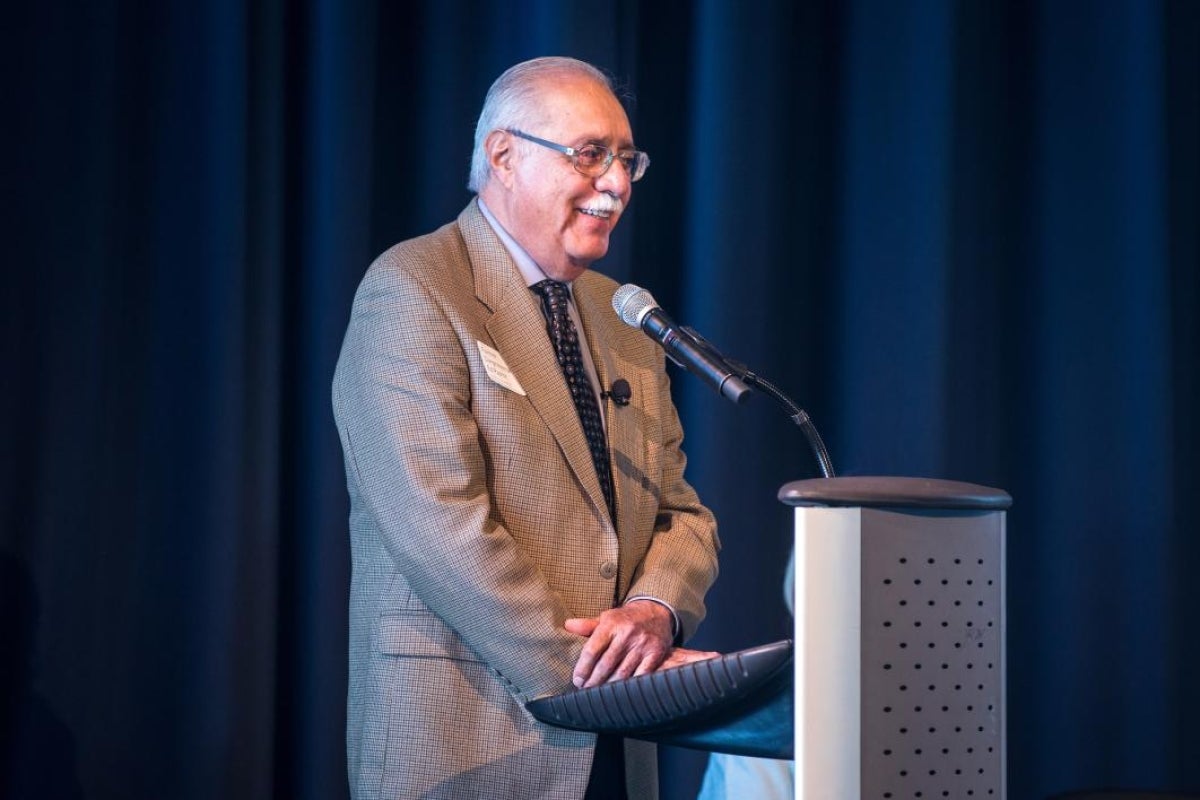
(893, 492)
(739, 703)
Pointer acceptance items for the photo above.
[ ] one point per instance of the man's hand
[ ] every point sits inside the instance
(681, 655)
(633, 639)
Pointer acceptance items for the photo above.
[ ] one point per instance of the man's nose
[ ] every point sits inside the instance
(615, 180)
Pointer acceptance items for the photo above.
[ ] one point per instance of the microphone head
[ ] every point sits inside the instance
(632, 303)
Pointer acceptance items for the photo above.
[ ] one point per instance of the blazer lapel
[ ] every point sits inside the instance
(602, 327)
(518, 331)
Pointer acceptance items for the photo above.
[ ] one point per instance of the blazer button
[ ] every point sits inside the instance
(608, 570)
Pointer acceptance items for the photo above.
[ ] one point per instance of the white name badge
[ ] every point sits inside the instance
(497, 370)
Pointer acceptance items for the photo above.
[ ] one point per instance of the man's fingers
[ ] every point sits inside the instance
(581, 626)
(629, 666)
(649, 664)
(621, 642)
(642, 655)
(608, 662)
(681, 655)
(590, 657)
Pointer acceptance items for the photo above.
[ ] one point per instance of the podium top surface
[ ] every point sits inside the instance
(893, 492)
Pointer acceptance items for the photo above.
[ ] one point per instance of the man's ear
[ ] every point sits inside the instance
(501, 156)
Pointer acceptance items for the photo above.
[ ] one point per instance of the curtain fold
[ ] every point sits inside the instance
(961, 235)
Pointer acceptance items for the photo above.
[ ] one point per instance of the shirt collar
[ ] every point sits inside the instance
(528, 268)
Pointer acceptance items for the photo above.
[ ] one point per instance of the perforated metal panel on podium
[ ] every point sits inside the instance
(899, 668)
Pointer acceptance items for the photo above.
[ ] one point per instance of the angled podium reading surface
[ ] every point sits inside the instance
(739, 703)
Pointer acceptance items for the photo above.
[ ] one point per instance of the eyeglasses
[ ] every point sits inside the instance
(594, 160)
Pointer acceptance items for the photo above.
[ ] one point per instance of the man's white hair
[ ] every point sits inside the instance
(512, 103)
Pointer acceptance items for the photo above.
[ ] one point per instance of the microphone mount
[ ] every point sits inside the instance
(620, 392)
(688, 349)
(798, 415)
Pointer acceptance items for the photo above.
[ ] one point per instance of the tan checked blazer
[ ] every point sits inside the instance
(478, 524)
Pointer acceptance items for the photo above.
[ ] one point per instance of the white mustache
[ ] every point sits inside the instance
(606, 204)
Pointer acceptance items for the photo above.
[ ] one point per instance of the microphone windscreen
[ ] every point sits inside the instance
(632, 303)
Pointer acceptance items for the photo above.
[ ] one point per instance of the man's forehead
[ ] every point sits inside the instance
(584, 109)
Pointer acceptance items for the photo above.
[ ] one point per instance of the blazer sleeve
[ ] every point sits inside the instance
(413, 457)
(681, 562)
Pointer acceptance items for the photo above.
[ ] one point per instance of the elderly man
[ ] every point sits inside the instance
(517, 526)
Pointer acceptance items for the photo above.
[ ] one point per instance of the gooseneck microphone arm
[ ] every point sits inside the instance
(801, 418)
(795, 412)
(638, 309)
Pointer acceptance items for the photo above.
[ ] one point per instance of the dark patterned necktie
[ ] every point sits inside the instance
(555, 299)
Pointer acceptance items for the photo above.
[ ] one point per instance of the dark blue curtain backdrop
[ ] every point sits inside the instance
(964, 235)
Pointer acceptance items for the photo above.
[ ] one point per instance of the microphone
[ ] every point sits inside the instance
(620, 392)
(638, 309)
